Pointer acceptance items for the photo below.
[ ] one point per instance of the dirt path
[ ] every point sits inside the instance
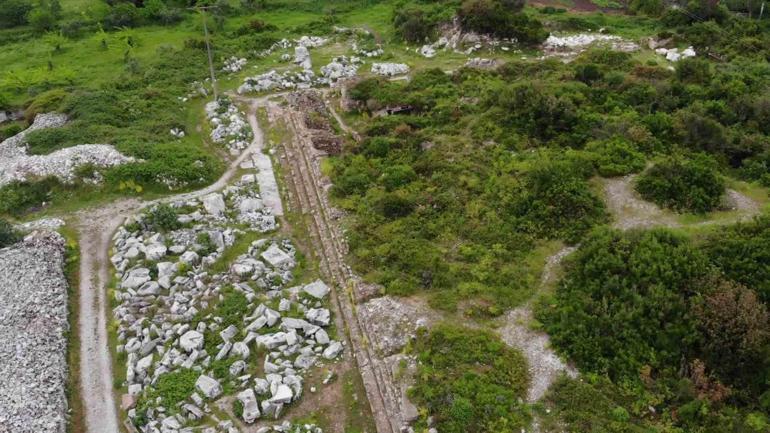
(96, 379)
(95, 228)
(631, 211)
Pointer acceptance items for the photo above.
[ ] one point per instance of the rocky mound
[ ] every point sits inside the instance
(33, 320)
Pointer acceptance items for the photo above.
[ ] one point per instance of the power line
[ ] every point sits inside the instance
(202, 10)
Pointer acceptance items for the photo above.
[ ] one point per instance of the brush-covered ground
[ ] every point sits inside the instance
(653, 169)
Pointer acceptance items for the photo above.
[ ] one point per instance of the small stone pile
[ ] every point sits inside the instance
(273, 80)
(481, 63)
(674, 55)
(229, 125)
(389, 69)
(341, 67)
(569, 46)
(33, 346)
(234, 64)
(363, 52)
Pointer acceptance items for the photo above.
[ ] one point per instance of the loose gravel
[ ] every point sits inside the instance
(33, 322)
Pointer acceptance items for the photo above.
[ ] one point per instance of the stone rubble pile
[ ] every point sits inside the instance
(229, 125)
(569, 46)
(168, 316)
(341, 67)
(33, 345)
(234, 64)
(454, 38)
(15, 164)
(674, 55)
(389, 69)
(363, 52)
(304, 41)
(272, 80)
(481, 63)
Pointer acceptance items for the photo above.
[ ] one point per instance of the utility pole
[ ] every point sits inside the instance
(202, 10)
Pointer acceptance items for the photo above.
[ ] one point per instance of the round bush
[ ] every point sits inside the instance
(616, 157)
(682, 185)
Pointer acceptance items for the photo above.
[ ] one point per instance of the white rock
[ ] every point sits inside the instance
(208, 386)
(317, 289)
(191, 340)
(214, 204)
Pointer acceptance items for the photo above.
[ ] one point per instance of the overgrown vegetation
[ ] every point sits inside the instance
(648, 312)
(470, 382)
(8, 235)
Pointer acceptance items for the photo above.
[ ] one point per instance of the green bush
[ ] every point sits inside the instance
(495, 17)
(683, 185)
(47, 140)
(625, 303)
(173, 388)
(558, 202)
(163, 217)
(14, 13)
(18, 197)
(652, 8)
(616, 157)
(742, 252)
(469, 381)
(8, 234)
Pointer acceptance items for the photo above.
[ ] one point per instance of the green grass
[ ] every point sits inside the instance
(75, 422)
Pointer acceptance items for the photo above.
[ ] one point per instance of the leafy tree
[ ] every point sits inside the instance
(413, 24)
(122, 15)
(8, 234)
(14, 13)
(683, 185)
(41, 20)
(495, 17)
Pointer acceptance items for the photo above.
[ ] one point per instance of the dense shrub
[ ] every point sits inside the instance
(736, 329)
(47, 140)
(616, 157)
(18, 197)
(8, 234)
(498, 18)
(163, 217)
(172, 387)
(14, 13)
(625, 303)
(742, 252)
(414, 24)
(683, 185)
(469, 381)
(647, 7)
(123, 14)
(558, 203)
